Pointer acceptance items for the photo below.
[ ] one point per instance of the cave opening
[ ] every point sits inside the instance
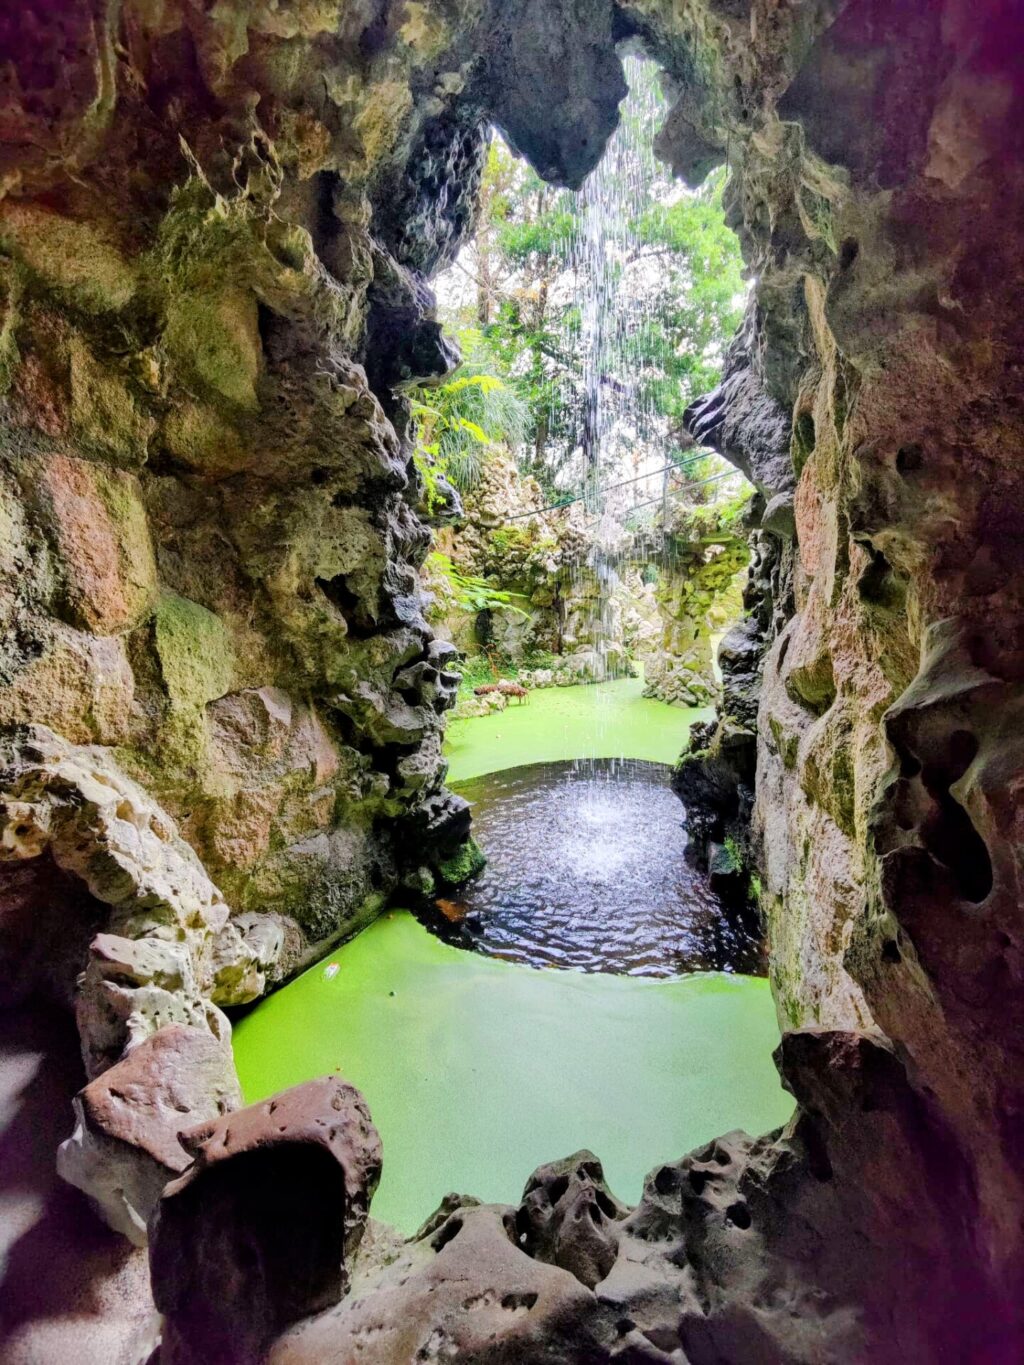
(230, 413)
(593, 555)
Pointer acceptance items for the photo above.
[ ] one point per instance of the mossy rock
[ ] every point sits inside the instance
(468, 862)
(197, 660)
(216, 342)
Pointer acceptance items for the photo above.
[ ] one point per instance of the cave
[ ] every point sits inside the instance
(222, 704)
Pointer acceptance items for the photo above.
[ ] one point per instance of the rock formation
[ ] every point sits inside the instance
(704, 551)
(584, 602)
(548, 561)
(221, 703)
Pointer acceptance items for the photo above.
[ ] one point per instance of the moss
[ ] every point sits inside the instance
(788, 744)
(466, 863)
(10, 356)
(734, 854)
(68, 255)
(197, 660)
(201, 437)
(215, 341)
(105, 417)
(817, 216)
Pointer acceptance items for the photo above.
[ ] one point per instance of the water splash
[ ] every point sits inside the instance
(587, 872)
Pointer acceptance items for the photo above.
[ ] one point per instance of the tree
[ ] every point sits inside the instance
(604, 312)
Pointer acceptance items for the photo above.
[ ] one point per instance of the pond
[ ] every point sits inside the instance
(478, 1070)
(586, 870)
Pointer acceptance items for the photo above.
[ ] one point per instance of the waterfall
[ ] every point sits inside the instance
(612, 312)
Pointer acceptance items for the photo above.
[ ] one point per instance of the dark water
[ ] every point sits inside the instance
(586, 871)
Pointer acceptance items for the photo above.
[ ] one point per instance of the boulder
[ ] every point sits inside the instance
(245, 953)
(126, 1143)
(568, 1217)
(465, 1292)
(257, 1231)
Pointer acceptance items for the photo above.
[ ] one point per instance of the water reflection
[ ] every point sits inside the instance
(586, 871)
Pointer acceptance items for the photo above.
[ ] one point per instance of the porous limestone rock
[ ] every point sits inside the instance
(704, 553)
(126, 1143)
(151, 965)
(209, 542)
(568, 1217)
(465, 1291)
(216, 230)
(258, 1230)
(715, 777)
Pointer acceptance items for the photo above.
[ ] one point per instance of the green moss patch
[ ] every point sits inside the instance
(461, 866)
(197, 660)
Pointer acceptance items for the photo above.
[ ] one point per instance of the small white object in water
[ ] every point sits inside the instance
(331, 970)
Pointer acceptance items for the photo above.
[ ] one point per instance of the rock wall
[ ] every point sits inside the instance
(877, 173)
(715, 778)
(215, 234)
(209, 542)
(703, 552)
(567, 603)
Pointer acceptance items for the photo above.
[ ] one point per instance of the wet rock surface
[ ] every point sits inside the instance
(702, 556)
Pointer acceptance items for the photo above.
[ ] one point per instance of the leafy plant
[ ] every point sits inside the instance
(468, 592)
(459, 421)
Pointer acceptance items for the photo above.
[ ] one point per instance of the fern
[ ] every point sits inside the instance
(460, 421)
(469, 592)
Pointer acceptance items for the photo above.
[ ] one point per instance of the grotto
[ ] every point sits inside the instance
(225, 689)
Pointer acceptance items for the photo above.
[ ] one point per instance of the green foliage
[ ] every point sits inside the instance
(691, 303)
(672, 270)
(494, 665)
(470, 593)
(509, 541)
(719, 516)
(476, 670)
(460, 420)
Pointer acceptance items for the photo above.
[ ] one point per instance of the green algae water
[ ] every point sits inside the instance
(477, 1071)
(604, 720)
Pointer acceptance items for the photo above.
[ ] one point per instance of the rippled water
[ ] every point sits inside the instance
(586, 871)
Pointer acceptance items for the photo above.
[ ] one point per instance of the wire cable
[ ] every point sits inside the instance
(580, 497)
(672, 493)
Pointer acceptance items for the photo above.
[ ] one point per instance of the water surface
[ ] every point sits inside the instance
(477, 1071)
(586, 871)
(601, 720)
